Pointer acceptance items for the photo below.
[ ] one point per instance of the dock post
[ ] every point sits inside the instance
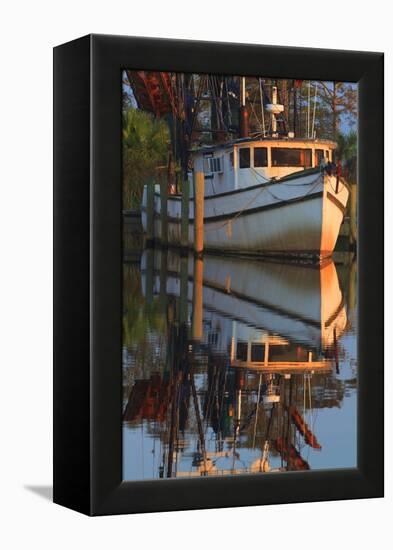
(197, 300)
(185, 211)
(199, 212)
(164, 211)
(150, 212)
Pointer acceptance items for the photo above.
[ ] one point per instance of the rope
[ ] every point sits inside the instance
(334, 189)
(265, 188)
(237, 213)
(316, 181)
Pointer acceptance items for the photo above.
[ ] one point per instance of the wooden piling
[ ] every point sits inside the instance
(199, 196)
(185, 211)
(197, 300)
(164, 212)
(150, 212)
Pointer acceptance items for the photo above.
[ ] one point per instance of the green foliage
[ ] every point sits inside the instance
(347, 145)
(338, 102)
(138, 318)
(336, 106)
(145, 147)
(347, 152)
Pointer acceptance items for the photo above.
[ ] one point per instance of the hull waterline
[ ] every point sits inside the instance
(300, 216)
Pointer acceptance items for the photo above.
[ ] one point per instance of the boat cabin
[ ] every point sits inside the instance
(247, 162)
(273, 353)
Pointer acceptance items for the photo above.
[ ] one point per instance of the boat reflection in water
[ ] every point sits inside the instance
(236, 366)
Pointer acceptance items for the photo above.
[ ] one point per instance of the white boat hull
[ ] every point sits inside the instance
(300, 215)
(301, 303)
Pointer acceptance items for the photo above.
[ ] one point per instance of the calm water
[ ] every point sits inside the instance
(232, 366)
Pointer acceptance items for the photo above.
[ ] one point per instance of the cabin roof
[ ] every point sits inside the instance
(240, 141)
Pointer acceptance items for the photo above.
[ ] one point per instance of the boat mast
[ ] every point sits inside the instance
(274, 109)
(243, 111)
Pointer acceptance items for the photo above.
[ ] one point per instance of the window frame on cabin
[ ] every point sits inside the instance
(257, 147)
(290, 164)
(245, 149)
(320, 154)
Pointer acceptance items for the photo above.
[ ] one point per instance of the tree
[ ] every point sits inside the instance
(323, 107)
(347, 152)
(146, 144)
(339, 100)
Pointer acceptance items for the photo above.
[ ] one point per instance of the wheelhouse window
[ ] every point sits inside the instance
(282, 156)
(260, 157)
(241, 351)
(287, 353)
(231, 159)
(244, 157)
(319, 156)
(257, 353)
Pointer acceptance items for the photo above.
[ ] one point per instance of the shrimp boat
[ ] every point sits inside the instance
(268, 196)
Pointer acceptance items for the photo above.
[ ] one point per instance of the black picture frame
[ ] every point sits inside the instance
(88, 275)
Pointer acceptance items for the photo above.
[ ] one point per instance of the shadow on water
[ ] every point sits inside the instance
(234, 365)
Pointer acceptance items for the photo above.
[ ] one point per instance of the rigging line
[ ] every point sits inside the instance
(222, 397)
(262, 108)
(209, 402)
(216, 398)
(308, 108)
(252, 102)
(279, 180)
(214, 90)
(316, 181)
(237, 213)
(256, 416)
(269, 427)
(228, 102)
(198, 418)
(264, 188)
(314, 420)
(256, 116)
(220, 91)
(196, 102)
(222, 100)
(213, 99)
(334, 189)
(315, 106)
